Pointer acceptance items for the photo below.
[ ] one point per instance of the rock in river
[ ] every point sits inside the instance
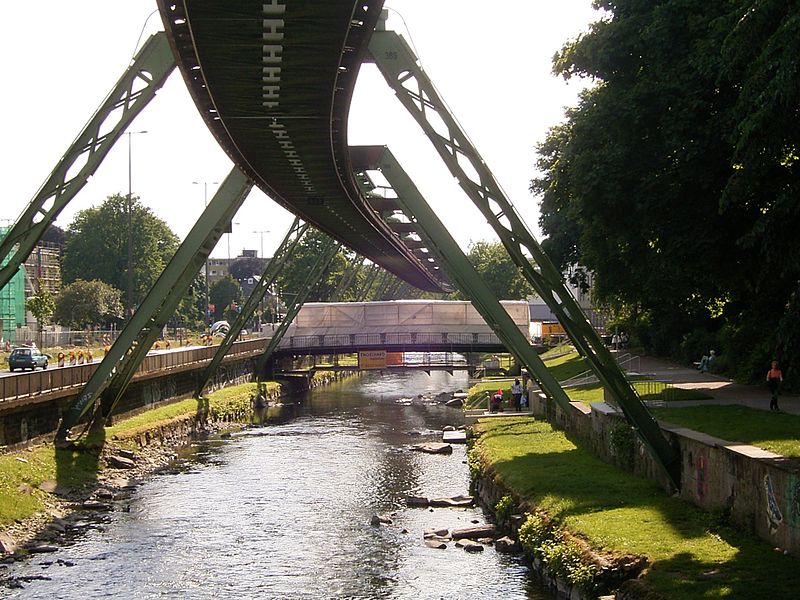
(433, 448)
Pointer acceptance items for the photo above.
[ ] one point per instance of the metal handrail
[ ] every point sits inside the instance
(23, 385)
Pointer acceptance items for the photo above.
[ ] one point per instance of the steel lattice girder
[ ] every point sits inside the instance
(460, 270)
(326, 256)
(400, 67)
(273, 268)
(130, 95)
(112, 376)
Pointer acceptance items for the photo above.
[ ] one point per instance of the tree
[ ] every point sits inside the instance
(498, 271)
(41, 306)
(88, 303)
(223, 293)
(247, 266)
(97, 246)
(302, 261)
(675, 177)
(54, 235)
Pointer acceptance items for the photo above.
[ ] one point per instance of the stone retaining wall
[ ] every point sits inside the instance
(758, 490)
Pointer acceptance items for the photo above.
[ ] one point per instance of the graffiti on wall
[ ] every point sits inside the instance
(792, 496)
(701, 474)
(774, 515)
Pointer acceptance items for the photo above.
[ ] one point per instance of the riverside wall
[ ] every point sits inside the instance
(758, 491)
(37, 416)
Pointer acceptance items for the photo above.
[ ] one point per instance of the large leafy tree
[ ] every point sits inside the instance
(499, 271)
(223, 293)
(659, 180)
(88, 303)
(97, 245)
(301, 262)
(247, 266)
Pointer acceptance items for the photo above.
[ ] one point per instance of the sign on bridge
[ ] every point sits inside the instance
(372, 359)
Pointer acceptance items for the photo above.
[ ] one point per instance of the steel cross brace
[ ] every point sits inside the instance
(458, 267)
(326, 256)
(369, 280)
(274, 267)
(354, 267)
(400, 67)
(130, 95)
(112, 376)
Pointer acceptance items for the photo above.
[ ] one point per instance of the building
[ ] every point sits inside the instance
(12, 302)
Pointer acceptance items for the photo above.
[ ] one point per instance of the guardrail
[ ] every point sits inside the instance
(361, 340)
(22, 385)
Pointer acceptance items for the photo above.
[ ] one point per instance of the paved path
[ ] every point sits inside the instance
(722, 389)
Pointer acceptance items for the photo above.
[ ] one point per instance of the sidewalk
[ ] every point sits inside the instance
(722, 389)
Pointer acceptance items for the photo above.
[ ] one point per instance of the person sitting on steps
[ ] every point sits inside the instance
(706, 361)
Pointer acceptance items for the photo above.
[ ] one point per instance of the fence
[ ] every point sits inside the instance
(22, 385)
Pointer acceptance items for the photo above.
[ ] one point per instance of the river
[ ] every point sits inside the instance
(284, 512)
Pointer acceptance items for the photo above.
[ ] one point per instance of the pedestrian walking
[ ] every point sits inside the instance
(516, 394)
(774, 379)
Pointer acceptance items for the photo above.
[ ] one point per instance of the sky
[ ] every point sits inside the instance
(492, 66)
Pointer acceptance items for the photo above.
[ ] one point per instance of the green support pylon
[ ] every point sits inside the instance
(440, 242)
(275, 266)
(142, 79)
(326, 256)
(401, 70)
(112, 376)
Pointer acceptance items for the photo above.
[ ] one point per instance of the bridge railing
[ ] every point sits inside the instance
(24, 385)
(407, 339)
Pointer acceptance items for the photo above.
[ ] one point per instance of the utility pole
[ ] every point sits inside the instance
(129, 307)
(205, 185)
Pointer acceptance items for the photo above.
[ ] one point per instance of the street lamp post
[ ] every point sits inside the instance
(261, 233)
(129, 307)
(205, 199)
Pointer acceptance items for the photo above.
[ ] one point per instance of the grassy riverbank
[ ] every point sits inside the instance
(24, 473)
(693, 554)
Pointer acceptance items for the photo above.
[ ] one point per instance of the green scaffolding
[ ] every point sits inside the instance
(12, 300)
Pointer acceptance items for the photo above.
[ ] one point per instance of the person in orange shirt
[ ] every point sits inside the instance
(774, 379)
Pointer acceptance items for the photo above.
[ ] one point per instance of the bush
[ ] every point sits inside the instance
(534, 532)
(503, 510)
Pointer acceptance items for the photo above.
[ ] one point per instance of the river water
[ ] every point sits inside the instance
(284, 512)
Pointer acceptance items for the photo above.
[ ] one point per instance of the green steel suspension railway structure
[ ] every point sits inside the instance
(273, 81)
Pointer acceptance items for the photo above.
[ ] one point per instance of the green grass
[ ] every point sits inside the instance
(647, 390)
(621, 513)
(776, 432)
(566, 366)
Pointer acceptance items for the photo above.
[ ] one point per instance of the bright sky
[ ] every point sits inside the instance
(491, 62)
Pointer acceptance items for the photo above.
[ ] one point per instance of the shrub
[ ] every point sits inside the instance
(503, 510)
(534, 532)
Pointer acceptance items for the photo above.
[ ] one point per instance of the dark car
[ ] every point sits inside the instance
(26, 358)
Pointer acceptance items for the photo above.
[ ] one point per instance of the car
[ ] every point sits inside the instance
(26, 358)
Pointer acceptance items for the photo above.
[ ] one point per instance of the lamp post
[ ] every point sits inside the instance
(129, 307)
(205, 185)
(261, 233)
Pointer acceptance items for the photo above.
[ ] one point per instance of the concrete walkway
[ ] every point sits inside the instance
(722, 390)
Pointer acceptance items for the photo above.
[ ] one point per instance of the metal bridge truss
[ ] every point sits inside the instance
(273, 268)
(326, 256)
(402, 71)
(143, 78)
(416, 210)
(109, 382)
